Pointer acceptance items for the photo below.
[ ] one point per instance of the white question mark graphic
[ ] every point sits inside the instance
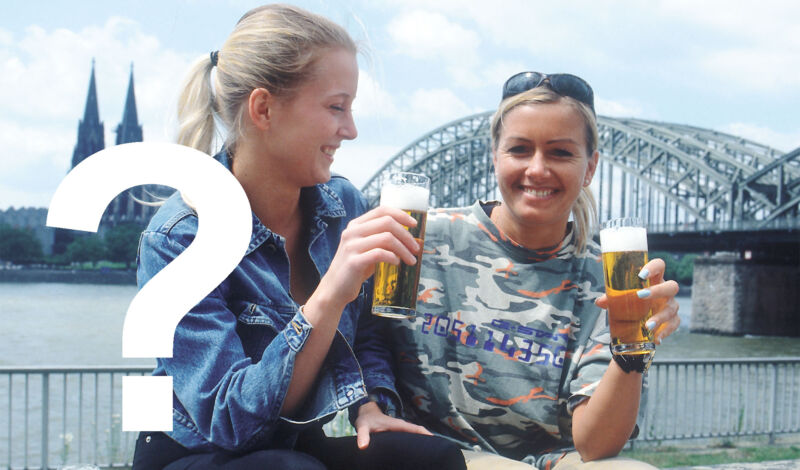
(223, 234)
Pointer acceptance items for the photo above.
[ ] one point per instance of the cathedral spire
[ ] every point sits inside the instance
(129, 129)
(90, 128)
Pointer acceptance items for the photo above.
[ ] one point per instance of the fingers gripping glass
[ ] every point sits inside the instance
(562, 83)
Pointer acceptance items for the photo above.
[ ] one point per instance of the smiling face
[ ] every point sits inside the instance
(308, 127)
(541, 162)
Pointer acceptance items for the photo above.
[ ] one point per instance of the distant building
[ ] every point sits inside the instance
(91, 139)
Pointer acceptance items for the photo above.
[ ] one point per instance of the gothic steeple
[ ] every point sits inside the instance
(129, 129)
(90, 128)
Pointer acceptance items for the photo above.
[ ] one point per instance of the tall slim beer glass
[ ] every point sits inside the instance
(395, 294)
(623, 242)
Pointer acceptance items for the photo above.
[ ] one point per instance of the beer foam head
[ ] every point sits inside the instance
(405, 196)
(617, 239)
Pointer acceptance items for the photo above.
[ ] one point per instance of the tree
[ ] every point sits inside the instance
(19, 246)
(685, 270)
(122, 242)
(86, 248)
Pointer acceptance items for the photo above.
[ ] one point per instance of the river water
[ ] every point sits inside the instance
(81, 324)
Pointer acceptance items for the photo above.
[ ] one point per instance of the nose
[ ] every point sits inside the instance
(537, 165)
(348, 129)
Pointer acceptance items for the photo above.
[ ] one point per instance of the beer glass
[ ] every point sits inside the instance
(623, 242)
(395, 294)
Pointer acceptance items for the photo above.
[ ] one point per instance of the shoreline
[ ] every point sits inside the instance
(69, 276)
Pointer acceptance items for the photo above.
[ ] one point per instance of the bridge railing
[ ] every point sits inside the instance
(57, 416)
(726, 226)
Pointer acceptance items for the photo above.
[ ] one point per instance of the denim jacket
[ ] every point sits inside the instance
(234, 352)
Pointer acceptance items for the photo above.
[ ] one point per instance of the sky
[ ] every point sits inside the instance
(728, 65)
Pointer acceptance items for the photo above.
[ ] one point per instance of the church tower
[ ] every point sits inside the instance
(129, 130)
(90, 128)
(124, 208)
(91, 139)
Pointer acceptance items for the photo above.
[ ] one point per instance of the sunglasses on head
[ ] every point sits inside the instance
(562, 83)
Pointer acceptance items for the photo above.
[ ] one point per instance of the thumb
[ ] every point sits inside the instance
(362, 437)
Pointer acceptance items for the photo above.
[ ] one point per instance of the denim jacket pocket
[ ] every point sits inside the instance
(257, 325)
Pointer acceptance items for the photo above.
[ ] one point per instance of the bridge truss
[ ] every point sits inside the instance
(674, 176)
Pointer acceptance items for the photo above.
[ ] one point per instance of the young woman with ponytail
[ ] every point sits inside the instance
(287, 340)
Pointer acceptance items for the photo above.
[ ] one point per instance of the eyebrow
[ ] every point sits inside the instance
(551, 141)
(563, 140)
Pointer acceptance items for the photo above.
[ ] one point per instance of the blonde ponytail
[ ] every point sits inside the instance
(196, 108)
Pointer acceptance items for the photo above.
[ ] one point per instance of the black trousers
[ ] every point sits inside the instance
(314, 451)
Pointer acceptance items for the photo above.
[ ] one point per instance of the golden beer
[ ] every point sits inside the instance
(395, 291)
(624, 254)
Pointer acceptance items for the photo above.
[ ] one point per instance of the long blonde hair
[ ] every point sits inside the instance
(584, 210)
(272, 47)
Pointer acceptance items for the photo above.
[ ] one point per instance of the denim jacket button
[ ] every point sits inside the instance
(349, 392)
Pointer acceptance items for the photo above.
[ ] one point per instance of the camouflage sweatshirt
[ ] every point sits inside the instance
(506, 342)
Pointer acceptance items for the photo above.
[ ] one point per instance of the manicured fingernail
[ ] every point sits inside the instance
(651, 324)
(644, 273)
(661, 340)
(643, 294)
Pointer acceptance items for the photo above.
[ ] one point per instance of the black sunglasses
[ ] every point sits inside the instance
(562, 83)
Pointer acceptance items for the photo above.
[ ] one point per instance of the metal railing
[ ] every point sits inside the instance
(58, 416)
(721, 398)
(55, 416)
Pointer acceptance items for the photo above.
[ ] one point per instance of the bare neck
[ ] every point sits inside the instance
(532, 237)
(273, 199)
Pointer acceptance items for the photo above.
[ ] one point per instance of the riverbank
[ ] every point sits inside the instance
(103, 276)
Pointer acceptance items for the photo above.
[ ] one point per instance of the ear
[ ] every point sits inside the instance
(591, 168)
(259, 105)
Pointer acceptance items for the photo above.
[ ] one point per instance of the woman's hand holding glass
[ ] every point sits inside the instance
(665, 319)
(379, 235)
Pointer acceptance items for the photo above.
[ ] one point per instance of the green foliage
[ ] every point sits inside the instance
(19, 246)
(122, 242)
(685, 270)
(87, 248)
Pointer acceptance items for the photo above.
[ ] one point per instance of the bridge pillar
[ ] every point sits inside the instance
(736, 296)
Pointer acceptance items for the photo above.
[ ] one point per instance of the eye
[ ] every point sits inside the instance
(562, 152)
(337, 107)
(517, 150)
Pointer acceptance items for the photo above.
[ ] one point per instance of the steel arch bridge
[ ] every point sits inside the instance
(677, 177)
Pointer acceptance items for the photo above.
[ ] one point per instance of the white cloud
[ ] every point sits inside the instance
(761, 47)
(755, 68)
(431, 36)
(431, 108)
(783, 141)
(372, 100)
(617, 109)
(428, 35)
